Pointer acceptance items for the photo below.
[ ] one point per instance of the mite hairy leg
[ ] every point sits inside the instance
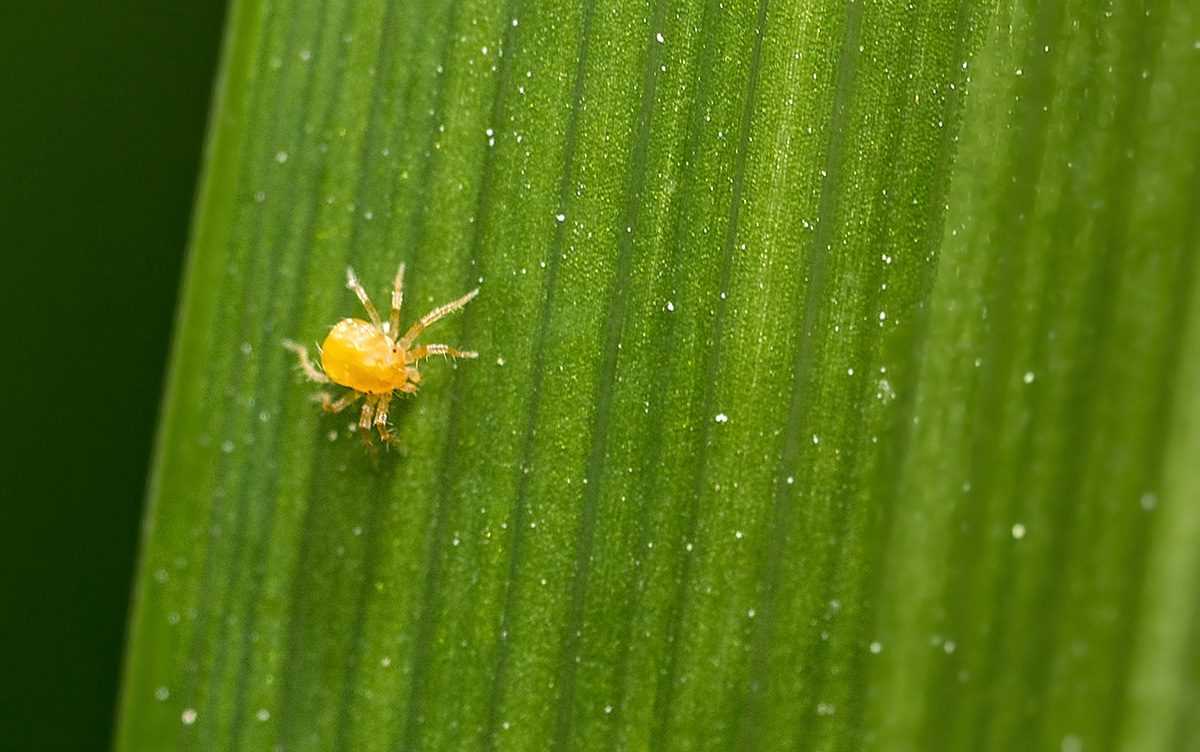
(364, 420)
(330, 406)
(352, 283)
(424, 351)
(397, 301)
(381, 416)
(416, 329)
(305, 363)
(414, 376)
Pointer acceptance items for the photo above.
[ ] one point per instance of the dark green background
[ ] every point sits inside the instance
(103, 108)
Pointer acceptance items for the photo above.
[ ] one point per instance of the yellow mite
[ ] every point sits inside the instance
(367, 358)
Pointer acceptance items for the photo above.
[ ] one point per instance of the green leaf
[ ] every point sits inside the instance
(837, 384)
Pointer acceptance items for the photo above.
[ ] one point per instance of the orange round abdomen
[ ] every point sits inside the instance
(358, 355)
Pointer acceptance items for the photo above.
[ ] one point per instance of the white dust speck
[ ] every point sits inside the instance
(1149, 500)
(561, 217)
(281, 157)
(262, 715)
(659, 36)
(189, 717)
(1028, 378)
(876, 647)
(885, 393)
(162, 693)
(825, 708)
(670, 306)
(1018, 531)
(722, 418)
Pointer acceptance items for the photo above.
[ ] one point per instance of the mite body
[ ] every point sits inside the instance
(369, 359)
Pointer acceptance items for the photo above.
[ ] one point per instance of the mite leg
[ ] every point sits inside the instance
(397, 300)
(305, 363)
(424, 351)
(364, 421)
(330, 406)
(432, 316)
(414, 377)
(352, 283)
(381, 416)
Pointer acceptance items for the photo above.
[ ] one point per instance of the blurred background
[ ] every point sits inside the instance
(103, 110)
